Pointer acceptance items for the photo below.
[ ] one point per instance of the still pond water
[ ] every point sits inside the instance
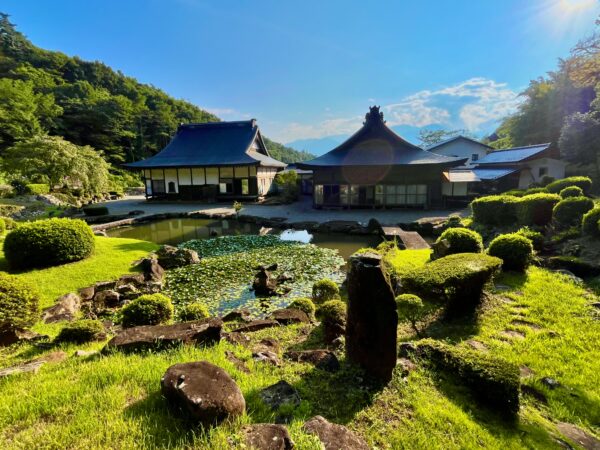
(176, 231)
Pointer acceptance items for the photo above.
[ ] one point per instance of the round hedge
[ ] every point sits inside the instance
(536, 238)
(536, 209)
(325, 290)
(332, 312)
(150, 309)
(462, 240)
(514, 249)
(570, 211)
(193, 311)
(2, 226)
(495, 209)
(82, 331)
(571, 191)
(19, 302)
(48, 242)
(304, 304)
(589, 223)
(585, 183)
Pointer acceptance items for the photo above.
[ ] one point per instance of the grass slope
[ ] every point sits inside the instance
(114, 401)
(111, 259)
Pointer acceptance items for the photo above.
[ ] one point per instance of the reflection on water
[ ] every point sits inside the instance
(176, 231)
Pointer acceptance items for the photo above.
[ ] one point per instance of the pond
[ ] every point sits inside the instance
(177, 231)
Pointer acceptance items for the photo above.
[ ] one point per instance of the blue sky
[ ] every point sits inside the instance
(308, 70)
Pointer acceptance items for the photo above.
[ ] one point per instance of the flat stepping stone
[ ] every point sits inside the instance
(289, 316)
(266, 357)
(237, 315)
(477, 345)
(34, 365)
(156, 337)
(579, 436)
(237, 362)
(321, 359)
(525, 323)
(526, 371)
(334, 436)
(512, 334)
(278, 394)
(267, 436)
(257, 325)
(267, 345)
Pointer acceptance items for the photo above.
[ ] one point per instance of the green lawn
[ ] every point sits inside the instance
(114, 401)
(111, 259)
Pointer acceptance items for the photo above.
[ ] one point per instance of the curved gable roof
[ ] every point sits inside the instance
(212, 144)
(456, 138)
(374, 145)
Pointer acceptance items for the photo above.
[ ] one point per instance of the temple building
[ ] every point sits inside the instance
(211, 161)
(377, 168)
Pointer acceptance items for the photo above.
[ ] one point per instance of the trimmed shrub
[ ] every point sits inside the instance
(570, 211)
(584, 183)
(10, 223)
(193, 311)
(10, 210)
(546, 180)
(536, 209)
(82, 331)
(19, 302)
(536, 238)
(536, 190)
(571, 191)
(454, 221)
(589, 223)
(514, 249)
(459, 279)
(95, 211)
(37, 189)
(462, 240)
(2, 226)
(515, 192)
(577, 266)
(48, 242)
(494, 381)
(411, 309)
(304, 304)
(495, 210)
(150, 309)
(325, 290)
(332, 312)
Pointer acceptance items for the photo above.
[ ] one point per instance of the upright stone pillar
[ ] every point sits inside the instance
(372, 321)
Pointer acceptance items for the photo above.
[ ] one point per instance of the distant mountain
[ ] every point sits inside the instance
(285, 153)
(318, 146)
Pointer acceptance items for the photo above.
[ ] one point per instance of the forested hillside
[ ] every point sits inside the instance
(563, 108)
(88, 104)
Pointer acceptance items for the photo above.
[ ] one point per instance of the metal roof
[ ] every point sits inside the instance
(461, 176)
(377, 145)
(513, 155)
(477, 174)
(212, 144)
(452, 139)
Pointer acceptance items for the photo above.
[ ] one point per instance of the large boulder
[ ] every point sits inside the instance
(372, 320)
(289, 316)
(321, 359)
(170, 257)
(202, 391)
(265, 283)
(333, 436)
(152, 270)
(65, 308)
(267, 436)
(157, 337)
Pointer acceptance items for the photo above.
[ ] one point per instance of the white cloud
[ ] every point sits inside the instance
(330, 127)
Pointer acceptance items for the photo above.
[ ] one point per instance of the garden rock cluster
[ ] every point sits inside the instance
(170, 257)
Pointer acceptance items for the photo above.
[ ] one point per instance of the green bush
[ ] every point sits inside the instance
(411, 309)
(571, 191)
(515, 192)
(585, 183)
(514, 249)
(577, 266)
(10, 223)
(82, 331)
(10, 210)
(150, 309)
(304, 304)
(193, 311)
(536, 190)
(536, 209)
(453, 221)
(48, 242)
(332, 312)
(570, 211)
(2, 226)
(95, 211)
(494, 381)
(458, 279)
(546, 180)
(19, 302)
(37, 189)
(589, 224)
(495, 210)
(325, 290)
(462, 240)
(536, 238)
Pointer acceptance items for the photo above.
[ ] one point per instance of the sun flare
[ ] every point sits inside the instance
(576, 5)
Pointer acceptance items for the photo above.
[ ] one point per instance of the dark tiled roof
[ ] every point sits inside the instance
(513, 155)
(212, 144)
(377, 145)
(455, 138)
